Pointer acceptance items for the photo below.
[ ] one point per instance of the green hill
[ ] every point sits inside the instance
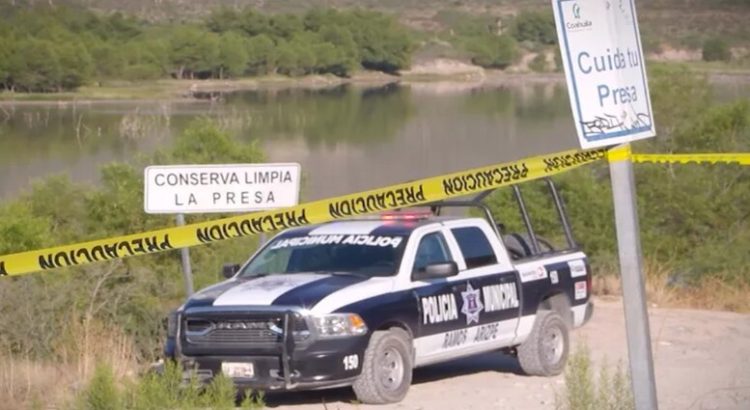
(682, 22)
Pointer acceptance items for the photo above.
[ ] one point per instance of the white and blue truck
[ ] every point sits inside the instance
(362, 302)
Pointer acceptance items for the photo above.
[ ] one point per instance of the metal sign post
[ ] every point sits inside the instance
(187, 269)
(631, 274)
(606, 76)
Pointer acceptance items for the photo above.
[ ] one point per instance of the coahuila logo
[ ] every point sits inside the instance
(578, 24)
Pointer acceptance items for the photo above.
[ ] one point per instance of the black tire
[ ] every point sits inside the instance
(386, 368)
(545, 352)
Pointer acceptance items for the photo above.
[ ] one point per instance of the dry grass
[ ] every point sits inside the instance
(48, 384)
(587, 389)
(27, 384)
(710, 293)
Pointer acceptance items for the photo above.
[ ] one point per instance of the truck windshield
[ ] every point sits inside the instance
(364, 255)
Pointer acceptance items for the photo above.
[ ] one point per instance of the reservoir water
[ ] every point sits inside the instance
(347, 138)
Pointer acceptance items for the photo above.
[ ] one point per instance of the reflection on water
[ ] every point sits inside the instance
(347, 138)
(324, 117)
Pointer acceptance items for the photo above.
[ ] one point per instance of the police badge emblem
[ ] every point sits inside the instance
(472, 305)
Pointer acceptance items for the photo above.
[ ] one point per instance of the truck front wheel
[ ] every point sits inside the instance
(545, 352)
(387, 368)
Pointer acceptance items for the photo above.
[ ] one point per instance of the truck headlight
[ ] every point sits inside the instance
(173, 321)
(340, 324)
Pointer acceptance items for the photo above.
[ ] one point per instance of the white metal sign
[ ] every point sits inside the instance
(605, 70)
(220, 188)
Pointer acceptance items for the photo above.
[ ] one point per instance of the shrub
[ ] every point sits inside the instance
(536, 27)
(492, 51)
(21, 229)
(585, 390)
(220, 394)
(539, 63)
(164, 389)
(253, 400)
(716, 49)
(101, 392)
(160, 389)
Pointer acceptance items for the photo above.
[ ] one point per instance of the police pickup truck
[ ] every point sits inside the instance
(363, 302)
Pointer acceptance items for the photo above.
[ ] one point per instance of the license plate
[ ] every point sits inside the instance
(238, 370)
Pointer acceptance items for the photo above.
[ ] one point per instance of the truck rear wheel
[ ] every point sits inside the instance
(545, 352)
(386, 369)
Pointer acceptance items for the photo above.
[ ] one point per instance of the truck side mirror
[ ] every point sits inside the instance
(439, 270)
(229, 270)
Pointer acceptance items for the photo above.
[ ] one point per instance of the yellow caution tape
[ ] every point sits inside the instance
(619, 153)
(623, 152)
(742, 158)
(397, 196)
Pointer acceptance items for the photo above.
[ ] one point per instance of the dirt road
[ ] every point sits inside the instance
(702, 361)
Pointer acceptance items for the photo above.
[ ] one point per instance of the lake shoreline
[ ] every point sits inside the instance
(203, 90)
(210, 90)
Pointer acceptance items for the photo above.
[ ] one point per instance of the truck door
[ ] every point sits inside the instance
(488, 290)
(438, 307)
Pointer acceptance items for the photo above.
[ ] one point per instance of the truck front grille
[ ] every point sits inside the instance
(233, 331)
(238, 331)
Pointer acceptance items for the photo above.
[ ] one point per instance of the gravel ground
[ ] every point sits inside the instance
(702, 361)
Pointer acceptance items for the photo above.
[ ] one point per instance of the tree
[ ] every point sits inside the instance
(224, 19)
(143, 58)
(347, 53)
(233, 55)
(329, 59)
(261, 52)
(536, 27)
(35, 66)
(193, 51)
(76, 64)
(229, 42)
(317, 18)
(109, 60)
(6, 52)
(120, 27)
(383, 43)
(287, 59)
(285, 25)
(253, 23)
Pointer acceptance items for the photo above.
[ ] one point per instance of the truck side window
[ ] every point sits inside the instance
(432, 249)
(474, 245)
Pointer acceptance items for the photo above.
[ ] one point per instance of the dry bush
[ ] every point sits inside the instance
(587, 389)
(93, 342)
(711, 293)
(714, 294)
(26, 383)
